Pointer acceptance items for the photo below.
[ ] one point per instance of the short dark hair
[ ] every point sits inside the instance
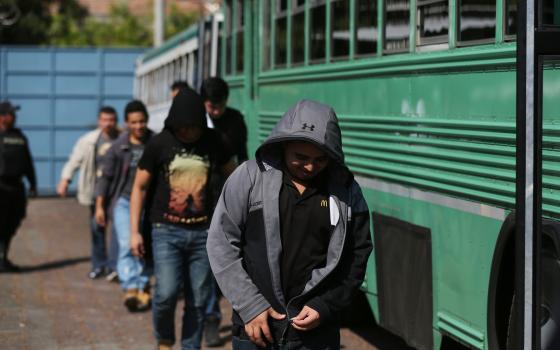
(215, 90)
(179, 85)
(108, 110)
(135, 106)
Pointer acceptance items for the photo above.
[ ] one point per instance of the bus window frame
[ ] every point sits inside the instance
(330, 37)
(278, 13)
(312, 4)
(507, 37)
(239, 27)
(434, 40)
(355, 53)
(265, 33)
(465, 43)
(409, 44)
(296, 10)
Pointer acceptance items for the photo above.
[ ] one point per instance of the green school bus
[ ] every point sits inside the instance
(425, 93)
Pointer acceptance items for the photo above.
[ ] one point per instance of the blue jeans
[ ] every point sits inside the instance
(132, 273)
(180, 258)
(99, 259)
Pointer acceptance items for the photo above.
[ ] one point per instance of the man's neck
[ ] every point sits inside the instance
(108, 134)
(134, 140)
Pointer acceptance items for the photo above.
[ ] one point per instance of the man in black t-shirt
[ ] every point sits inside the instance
(228, 121)
(177, 165)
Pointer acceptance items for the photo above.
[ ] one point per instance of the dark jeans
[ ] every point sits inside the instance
(327, 340)
(213, 305)
(99, 258)
(180, 258)
(12, 212)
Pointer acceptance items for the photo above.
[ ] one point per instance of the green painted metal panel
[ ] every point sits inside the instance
(441, 122)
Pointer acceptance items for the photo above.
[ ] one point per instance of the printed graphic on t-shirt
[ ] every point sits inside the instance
(187, 175)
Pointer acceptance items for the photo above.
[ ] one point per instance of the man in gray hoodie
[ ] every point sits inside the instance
(289, 239)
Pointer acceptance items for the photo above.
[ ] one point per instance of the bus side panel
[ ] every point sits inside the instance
(427, 132)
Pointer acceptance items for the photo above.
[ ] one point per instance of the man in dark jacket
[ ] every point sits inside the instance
(289, 239)
(228, 121)
(115, 184)
(15, 163)
(179, 164)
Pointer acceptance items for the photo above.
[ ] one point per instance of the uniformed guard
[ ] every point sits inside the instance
(15, 163)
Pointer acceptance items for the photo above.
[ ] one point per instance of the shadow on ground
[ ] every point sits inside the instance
(53, 265)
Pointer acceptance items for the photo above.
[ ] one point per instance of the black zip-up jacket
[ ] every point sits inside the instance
(244, 243)
(115, 167)
(15, 161)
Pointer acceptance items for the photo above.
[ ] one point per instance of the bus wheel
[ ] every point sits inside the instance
(550, 292)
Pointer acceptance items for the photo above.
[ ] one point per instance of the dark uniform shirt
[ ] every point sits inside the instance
(305, 233)
(233, 127)
(15, 161)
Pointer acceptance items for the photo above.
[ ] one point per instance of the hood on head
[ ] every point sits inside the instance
(187, 109)
(307, 121)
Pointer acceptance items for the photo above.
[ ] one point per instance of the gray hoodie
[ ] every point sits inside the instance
(244, 244)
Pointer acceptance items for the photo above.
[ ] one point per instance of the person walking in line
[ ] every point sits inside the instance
(178, 86)
(117, 177)
(15, 163)
(290, 238)
(229, 122)
(87, 156)
(178, 164)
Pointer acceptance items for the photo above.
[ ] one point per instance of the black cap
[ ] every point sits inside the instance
(7, 108)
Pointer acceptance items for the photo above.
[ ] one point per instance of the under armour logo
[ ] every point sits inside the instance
(310, 127)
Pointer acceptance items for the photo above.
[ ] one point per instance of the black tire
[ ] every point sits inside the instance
(550, 298)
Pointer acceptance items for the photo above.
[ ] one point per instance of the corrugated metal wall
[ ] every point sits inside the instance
(60, 91)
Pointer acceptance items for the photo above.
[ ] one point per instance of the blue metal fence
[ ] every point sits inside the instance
(60, 91)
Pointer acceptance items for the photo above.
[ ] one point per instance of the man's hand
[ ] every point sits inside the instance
(137, 244)
(62, 187)
(306, 320)
(100, 216)
(258, 327)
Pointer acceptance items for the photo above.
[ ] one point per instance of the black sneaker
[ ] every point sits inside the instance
(212, 332)
(96, 273)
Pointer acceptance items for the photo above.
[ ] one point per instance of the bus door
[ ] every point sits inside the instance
(536, 313)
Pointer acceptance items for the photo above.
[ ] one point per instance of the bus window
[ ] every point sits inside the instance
(366, 27)
(281, 33)
(433, 21)
(228, 37)
(239, 36)
(298, 32)
(265, 40)
(550, 12)
(317, 30)
(397, 23)
(477, 21)
(340, 33)
(511, 18)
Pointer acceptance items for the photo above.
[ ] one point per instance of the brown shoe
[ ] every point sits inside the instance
(164, 345)
(131, 299)
(144, 300)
